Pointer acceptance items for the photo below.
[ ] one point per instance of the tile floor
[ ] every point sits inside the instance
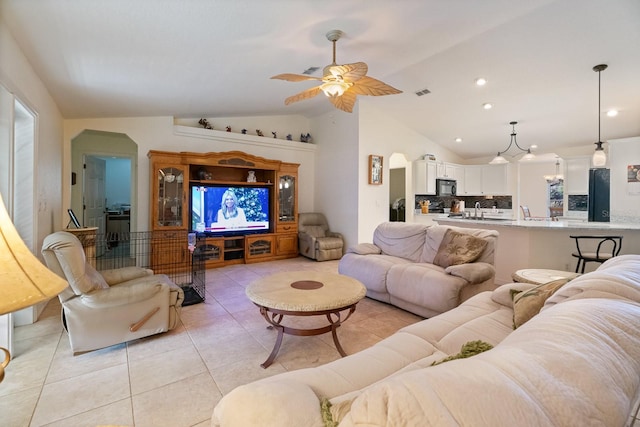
(173, 379)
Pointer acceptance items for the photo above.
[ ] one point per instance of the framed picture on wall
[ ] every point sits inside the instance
(375, 169)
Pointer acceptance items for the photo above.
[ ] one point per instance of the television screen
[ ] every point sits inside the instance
(221, 210)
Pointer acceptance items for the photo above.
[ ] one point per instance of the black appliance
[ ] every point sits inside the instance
(599, 189)
(445, 187)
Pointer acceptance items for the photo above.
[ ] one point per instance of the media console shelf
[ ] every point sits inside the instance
(172, 173)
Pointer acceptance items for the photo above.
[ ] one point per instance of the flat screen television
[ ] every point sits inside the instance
(221, 210)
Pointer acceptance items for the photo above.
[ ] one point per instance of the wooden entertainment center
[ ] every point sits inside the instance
(172, 175)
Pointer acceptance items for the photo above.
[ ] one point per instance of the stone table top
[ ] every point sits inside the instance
(305, 291)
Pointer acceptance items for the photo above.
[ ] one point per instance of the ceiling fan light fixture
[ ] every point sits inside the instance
(334, 88)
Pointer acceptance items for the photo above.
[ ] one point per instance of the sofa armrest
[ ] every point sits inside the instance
(333, 234)
(119, 275)
(475, 272)
(365, 249)
(125, 294)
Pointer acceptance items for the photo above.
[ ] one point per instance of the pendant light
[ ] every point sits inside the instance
(599, 159)
(555, 179)
(499, 159)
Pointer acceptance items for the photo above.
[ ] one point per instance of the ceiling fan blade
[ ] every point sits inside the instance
(295, 77)
(305, 94)
(350, 72)
(372, 87)
(344, 102)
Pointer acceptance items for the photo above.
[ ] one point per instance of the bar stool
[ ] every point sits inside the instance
(607, 248)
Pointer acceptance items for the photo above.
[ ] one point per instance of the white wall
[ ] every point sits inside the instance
(384, 136)
(625, 196)
(336, 180)
(19, 78)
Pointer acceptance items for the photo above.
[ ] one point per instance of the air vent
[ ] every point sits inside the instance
(310, 70)
(423, 92)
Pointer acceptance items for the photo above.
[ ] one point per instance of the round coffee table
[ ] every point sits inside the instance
(305, 293)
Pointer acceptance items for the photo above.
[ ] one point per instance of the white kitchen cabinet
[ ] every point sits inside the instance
(577, 177)
(472, 181)
(486, 180)
(424, 177)
(495, 180)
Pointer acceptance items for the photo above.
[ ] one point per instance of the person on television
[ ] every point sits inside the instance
(229, 214)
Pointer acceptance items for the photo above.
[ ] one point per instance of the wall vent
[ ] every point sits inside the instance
(423, 92)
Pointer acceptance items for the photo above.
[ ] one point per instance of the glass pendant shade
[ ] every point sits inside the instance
(599, 158)
(498, 160)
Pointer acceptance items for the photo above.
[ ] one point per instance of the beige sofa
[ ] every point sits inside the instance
(404, 266)
(100, 309)
(575, 363)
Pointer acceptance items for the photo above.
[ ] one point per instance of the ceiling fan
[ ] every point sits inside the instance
(341, 83)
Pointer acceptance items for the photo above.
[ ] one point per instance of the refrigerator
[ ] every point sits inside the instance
(599, 183)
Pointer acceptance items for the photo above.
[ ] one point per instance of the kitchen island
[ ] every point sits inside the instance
(544, 244)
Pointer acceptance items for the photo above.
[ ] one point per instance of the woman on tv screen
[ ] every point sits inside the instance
(230, 214)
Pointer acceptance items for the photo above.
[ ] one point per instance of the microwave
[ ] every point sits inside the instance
(445, 187)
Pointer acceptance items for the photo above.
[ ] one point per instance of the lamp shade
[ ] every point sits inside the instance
(24, 280)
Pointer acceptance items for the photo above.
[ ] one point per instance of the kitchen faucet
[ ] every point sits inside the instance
(475, 210)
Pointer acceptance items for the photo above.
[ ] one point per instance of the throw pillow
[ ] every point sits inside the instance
(529, 303)
(314, 230)
(458, 248)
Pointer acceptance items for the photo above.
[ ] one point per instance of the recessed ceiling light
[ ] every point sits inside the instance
(458, 139)
(487, 106)
(481, 81)
(612, 113)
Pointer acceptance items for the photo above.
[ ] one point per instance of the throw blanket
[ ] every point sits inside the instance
(577, 365)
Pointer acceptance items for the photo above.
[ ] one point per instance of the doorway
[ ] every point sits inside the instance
(398, 187)
(104, 165)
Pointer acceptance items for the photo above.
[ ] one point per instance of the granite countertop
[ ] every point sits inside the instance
(547, 224)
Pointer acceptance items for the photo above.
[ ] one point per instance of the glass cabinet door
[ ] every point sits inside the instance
(171, 197)
(287, 198)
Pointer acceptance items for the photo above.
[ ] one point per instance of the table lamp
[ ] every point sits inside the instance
(24, 280)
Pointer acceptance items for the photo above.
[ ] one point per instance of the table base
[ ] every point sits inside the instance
(274, 317)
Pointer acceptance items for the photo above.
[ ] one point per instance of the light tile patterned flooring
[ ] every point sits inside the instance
(173, 379)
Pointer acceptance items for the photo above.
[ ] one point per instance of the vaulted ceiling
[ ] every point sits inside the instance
(214, 58)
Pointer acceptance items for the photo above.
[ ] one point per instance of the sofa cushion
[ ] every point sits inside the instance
(458, 248)
(400, 239)
(364, 249)
(527, 304)
(91, 281)
(436, 290)
(370, 270)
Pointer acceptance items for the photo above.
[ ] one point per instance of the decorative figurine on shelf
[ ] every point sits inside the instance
(259, 132)
(244, 131)
(251, 177)
(228, 128)
(205, 124)
(305, 138)
(274, 134)
(202, 173)
(308, 138)
(289, 137)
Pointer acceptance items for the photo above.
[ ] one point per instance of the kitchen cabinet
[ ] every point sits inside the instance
(424, 177)
(472, 180)
(486, 180)
(577, 177)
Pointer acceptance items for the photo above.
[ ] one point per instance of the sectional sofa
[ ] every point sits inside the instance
(575, 363)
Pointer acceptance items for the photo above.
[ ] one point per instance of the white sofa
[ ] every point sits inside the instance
(401, 267)
(576, 363)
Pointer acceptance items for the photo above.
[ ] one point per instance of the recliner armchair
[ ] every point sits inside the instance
(111, 307)
(315, 240)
